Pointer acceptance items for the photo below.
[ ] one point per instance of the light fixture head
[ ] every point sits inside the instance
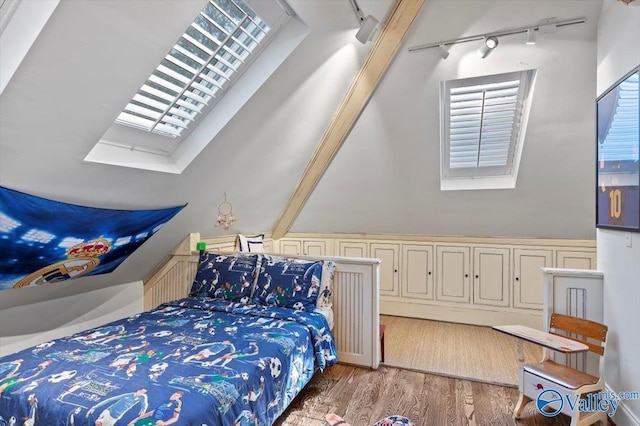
(367, 29)
(531, 36)
(488, 44)
(442, 52)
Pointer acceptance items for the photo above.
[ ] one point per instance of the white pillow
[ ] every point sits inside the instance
(251, 244)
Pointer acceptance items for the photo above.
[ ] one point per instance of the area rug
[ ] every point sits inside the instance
(462, 351)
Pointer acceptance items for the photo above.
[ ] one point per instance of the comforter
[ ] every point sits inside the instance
(192, 361)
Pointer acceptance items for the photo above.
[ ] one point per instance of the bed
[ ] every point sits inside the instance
(251, 334)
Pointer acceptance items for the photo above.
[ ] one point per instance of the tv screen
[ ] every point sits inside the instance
(618, 154)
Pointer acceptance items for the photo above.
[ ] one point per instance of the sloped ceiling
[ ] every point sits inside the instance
(92, 56)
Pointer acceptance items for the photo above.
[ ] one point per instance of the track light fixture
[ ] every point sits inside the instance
(531, 36)
(368, 24)
(488, 44)
(545, 26)
(442, 52)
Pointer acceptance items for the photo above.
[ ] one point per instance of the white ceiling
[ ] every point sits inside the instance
(92, 56)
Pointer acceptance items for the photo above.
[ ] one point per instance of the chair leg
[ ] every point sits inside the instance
(522, 402)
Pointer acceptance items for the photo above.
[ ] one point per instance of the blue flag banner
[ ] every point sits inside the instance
(44, 241)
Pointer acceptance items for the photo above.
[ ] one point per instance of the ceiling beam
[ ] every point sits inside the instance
(380, 56)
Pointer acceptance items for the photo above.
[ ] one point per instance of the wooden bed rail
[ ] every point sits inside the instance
(356, 298)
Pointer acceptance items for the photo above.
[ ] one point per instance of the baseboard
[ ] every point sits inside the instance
(624, 416)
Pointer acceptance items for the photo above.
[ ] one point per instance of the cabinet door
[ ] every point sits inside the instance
(389, 276)
(268, 246)
(491, 276)
(293, 247)
(353, 249)
(452, 273)
(528, 279)
(575, 259)
(315, 247)
(417, 271)
(222, 247)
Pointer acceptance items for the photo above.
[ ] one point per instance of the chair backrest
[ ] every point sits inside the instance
(580, 330)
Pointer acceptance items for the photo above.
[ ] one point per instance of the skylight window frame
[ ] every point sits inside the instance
(505, 158)
(126, 146)
(169, 122)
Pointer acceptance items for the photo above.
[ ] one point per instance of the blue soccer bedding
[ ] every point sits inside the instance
(188, 362)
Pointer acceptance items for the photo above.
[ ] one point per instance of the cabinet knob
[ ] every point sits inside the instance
(466, 275)
(395, 270)
(477, 276)
(429, 272)
(517, 279)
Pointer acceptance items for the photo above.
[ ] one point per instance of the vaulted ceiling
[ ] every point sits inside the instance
(91, 57)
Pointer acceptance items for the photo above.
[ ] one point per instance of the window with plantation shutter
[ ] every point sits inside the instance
(197, 69)
(483, 123)
(224, 56)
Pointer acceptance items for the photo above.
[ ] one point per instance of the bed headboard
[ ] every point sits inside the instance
(356, 298)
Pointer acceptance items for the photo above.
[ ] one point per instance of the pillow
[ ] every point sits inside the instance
(251, 244)
(224, 277)
(288, 283)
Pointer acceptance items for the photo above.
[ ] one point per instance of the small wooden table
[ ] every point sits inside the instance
(542, 338)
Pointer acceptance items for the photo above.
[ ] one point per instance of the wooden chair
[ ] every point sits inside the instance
(566, 380)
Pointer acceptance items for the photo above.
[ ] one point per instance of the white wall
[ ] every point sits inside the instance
(35, 315)
(619, 53)
(386, 176)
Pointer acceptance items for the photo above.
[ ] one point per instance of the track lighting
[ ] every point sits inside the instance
(367, 29)
(442, 52)
(488, 44)
(542, 28)
(531, 36)
(368, 24)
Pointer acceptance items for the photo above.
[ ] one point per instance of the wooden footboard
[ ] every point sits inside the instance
(355, 296)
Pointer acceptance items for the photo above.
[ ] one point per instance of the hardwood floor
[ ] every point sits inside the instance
(362, 396)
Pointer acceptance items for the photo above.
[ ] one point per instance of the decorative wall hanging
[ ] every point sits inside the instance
(44, 241)
(225, 214)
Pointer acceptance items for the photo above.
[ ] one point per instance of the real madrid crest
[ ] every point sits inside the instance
(81, 258)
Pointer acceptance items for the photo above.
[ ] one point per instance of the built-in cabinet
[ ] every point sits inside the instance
(417, 276)
(528, 278)
(485, 281)
(306, 246)
(491, 276)
(575, 259)
(452, 274)
(350, 248)
(389, 254)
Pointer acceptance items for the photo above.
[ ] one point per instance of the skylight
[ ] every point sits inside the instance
(201, 64)
(225, 55)
(483, 123)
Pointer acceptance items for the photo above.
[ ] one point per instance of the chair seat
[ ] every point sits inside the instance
(566, 377)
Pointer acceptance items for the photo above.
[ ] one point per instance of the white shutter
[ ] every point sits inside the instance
(482, 121)
(215, 47)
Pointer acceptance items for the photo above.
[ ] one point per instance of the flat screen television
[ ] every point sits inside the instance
(618, 155)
